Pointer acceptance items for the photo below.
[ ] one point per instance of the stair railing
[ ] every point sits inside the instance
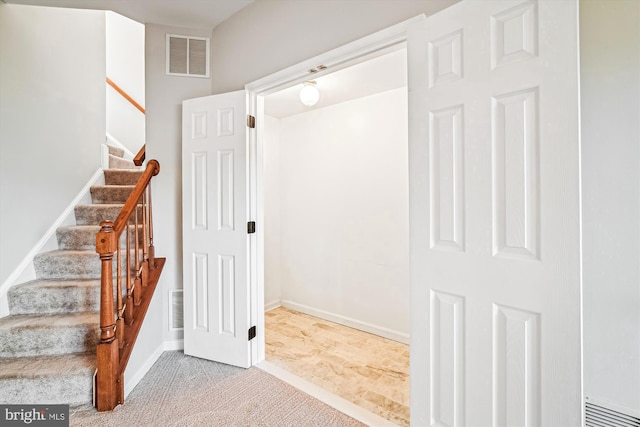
(139, 158)
(120, 320)
(125, 95)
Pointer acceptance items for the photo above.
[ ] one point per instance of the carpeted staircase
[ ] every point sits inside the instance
(48, 342)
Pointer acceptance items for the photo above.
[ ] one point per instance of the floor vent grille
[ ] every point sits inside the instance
(597, 416)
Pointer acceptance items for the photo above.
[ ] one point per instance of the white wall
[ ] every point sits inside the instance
(344, 220)
(164, 96)
(125, 67)
(610, 91)
(268, 36)
(52, 118)
(272, 213)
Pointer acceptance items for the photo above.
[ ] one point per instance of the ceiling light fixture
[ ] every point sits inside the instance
(309, 94)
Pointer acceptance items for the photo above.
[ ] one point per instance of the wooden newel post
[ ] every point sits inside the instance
(106, 246)
(107, 353)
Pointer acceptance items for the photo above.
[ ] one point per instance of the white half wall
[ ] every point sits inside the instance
(343, 211)
(52, 118)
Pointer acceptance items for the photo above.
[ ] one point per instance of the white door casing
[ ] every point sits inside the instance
(495, 215)
(215, 241)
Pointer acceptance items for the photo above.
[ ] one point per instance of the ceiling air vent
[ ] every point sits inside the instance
(187, 56)
(599, 416)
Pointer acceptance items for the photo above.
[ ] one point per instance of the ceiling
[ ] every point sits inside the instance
(376, 75)
(178, 13)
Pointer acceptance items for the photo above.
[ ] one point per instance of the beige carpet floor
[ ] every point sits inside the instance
(184, 391)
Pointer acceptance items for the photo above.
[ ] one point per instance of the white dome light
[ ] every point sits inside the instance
(309, 94)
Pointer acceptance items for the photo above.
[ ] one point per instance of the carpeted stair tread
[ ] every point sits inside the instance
(120, 163)
(95, 214)
(110, 193)
(77, 237)
(43, 334)
(121, 176)
(67, 264)
(83, 237)
(55, 379)
(55, 296)
(115, 151)
(43, 366)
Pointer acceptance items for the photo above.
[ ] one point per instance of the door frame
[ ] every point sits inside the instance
(350, 54)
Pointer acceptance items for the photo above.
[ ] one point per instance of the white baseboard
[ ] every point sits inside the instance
(336, 402)
(135, 377)
(272, 305)
(111, 140)
(132, 379)
(25, 270)
(174, 345)
(348, 321)
(4, 307)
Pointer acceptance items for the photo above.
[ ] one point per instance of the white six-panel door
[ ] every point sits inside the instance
(495, 215)
(214, 217)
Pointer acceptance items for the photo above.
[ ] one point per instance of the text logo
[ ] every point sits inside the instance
(34, 415)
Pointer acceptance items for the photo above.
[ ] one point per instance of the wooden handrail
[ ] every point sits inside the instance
(153, 169)
(125, 95)
(139, 158)
(121, 320)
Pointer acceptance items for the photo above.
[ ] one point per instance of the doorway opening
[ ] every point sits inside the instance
(336, 234)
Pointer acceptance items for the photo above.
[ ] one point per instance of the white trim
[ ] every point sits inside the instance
(336, 402)
(349, 321)
(131, 380)
(365, 48)
(111, 140)
(25, 271)
(134, 378)
(349, 54)
(174, 345)
(104, 154)
(272, 305)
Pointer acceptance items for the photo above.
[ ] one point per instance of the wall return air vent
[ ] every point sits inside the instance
(187, 56)
(601, 416)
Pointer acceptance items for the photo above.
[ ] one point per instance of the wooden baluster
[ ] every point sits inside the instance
(128, 313)
(137, 285)
(120, 320)
(107, 355)
(152, 251)
(145, 241)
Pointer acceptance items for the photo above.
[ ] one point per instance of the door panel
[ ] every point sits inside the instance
(214, 193)
(495, 215)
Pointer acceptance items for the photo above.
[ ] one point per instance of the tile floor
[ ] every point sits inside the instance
(368, 370)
